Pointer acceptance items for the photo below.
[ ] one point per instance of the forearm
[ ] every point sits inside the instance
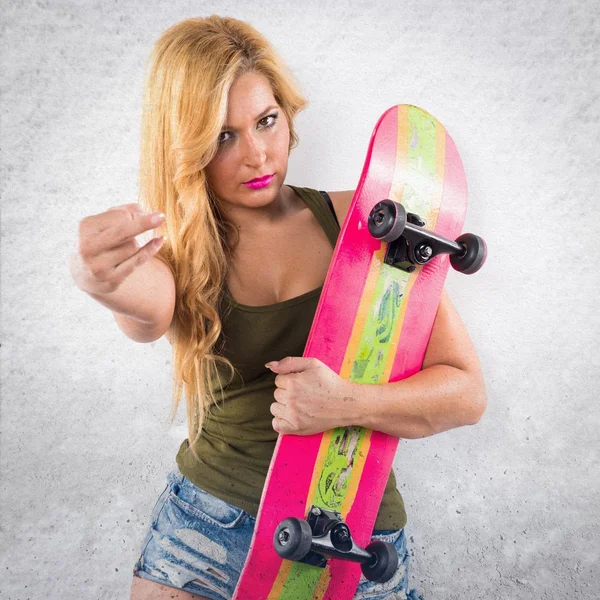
(433, 400)
(146, 295)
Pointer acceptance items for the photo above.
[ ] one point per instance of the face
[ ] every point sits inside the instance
(253, 143)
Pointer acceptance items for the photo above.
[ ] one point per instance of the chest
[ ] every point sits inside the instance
(280, 263)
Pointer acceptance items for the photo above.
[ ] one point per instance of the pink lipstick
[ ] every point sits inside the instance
(260, 182)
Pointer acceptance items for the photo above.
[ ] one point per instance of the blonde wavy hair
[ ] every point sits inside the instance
(190, 71)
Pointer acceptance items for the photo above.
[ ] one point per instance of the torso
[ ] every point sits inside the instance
(281, 262)
(278, 263)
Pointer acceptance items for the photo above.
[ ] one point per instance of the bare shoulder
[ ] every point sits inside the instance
(341, 203)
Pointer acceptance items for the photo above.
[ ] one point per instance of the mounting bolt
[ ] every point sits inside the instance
(426, 251)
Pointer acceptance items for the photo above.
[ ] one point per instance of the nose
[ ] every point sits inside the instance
(254, 152)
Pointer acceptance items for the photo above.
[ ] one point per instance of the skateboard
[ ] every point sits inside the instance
(372, 325)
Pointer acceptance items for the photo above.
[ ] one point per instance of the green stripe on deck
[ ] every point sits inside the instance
(301, 582)
(374, 346)
(421, 162)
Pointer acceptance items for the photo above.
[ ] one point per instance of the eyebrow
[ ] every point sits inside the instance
(262, 114)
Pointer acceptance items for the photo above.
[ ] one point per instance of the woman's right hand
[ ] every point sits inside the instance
(108, 252)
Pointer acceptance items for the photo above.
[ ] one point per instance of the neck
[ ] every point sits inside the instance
(255, 219)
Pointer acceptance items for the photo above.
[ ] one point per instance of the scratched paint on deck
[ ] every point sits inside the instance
(375, 345)
(419, 193)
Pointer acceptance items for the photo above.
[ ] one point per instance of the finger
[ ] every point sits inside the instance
(114, 266)
(120, 230)
(132, 206)
(138, 224)
(292, 364)
(103, 265)
(282, 426)
(279, 395)
(144, 254)
(118, 255)
(114, 214)
(280, 381)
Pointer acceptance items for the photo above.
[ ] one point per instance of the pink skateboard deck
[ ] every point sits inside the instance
(372, 325)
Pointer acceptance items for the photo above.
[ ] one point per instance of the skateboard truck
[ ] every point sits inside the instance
(324, 535)
(409, 244)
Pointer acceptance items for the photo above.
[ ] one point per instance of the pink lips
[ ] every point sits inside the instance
(261, 182)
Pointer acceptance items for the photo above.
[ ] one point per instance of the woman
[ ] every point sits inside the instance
(218, 127)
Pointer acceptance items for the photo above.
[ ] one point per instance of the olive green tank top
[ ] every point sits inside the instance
(238, 439)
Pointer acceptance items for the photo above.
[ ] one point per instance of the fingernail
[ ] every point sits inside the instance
(157, 217)
(273, 363)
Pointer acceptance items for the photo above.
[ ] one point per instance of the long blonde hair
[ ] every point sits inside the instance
(190, 71)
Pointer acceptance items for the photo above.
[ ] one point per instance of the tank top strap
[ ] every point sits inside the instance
(319, 206)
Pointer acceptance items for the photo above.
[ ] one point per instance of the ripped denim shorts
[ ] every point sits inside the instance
(198, 543)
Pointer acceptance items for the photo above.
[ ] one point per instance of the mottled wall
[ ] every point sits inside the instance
(506, 509)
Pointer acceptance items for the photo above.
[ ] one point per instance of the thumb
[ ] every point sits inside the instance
(290, 364)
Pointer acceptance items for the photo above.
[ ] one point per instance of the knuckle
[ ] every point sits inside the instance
(131, 246)
(84, 224)
(111, 286)
(140, 258)
(120, 231)
(83, 247)
(133, 213)
(98, 271)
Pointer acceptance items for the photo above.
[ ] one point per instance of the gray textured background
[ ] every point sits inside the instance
(506, 509)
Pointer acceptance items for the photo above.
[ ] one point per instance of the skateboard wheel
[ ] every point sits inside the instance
(387, 220)
(385, 562)
(474, 255)
(292, 538)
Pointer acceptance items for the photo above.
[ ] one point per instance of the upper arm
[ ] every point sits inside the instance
(341, 203)
(450, 343)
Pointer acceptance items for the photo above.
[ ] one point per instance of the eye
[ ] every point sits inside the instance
(224, 140)
(267, 124)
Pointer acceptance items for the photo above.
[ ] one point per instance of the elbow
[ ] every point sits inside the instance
(139, 331)
(478, 400)
(149, 337)
(479, 407)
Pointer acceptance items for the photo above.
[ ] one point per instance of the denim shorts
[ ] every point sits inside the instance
(198, 543)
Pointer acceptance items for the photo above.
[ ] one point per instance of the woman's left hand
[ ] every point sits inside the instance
(310, 397)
